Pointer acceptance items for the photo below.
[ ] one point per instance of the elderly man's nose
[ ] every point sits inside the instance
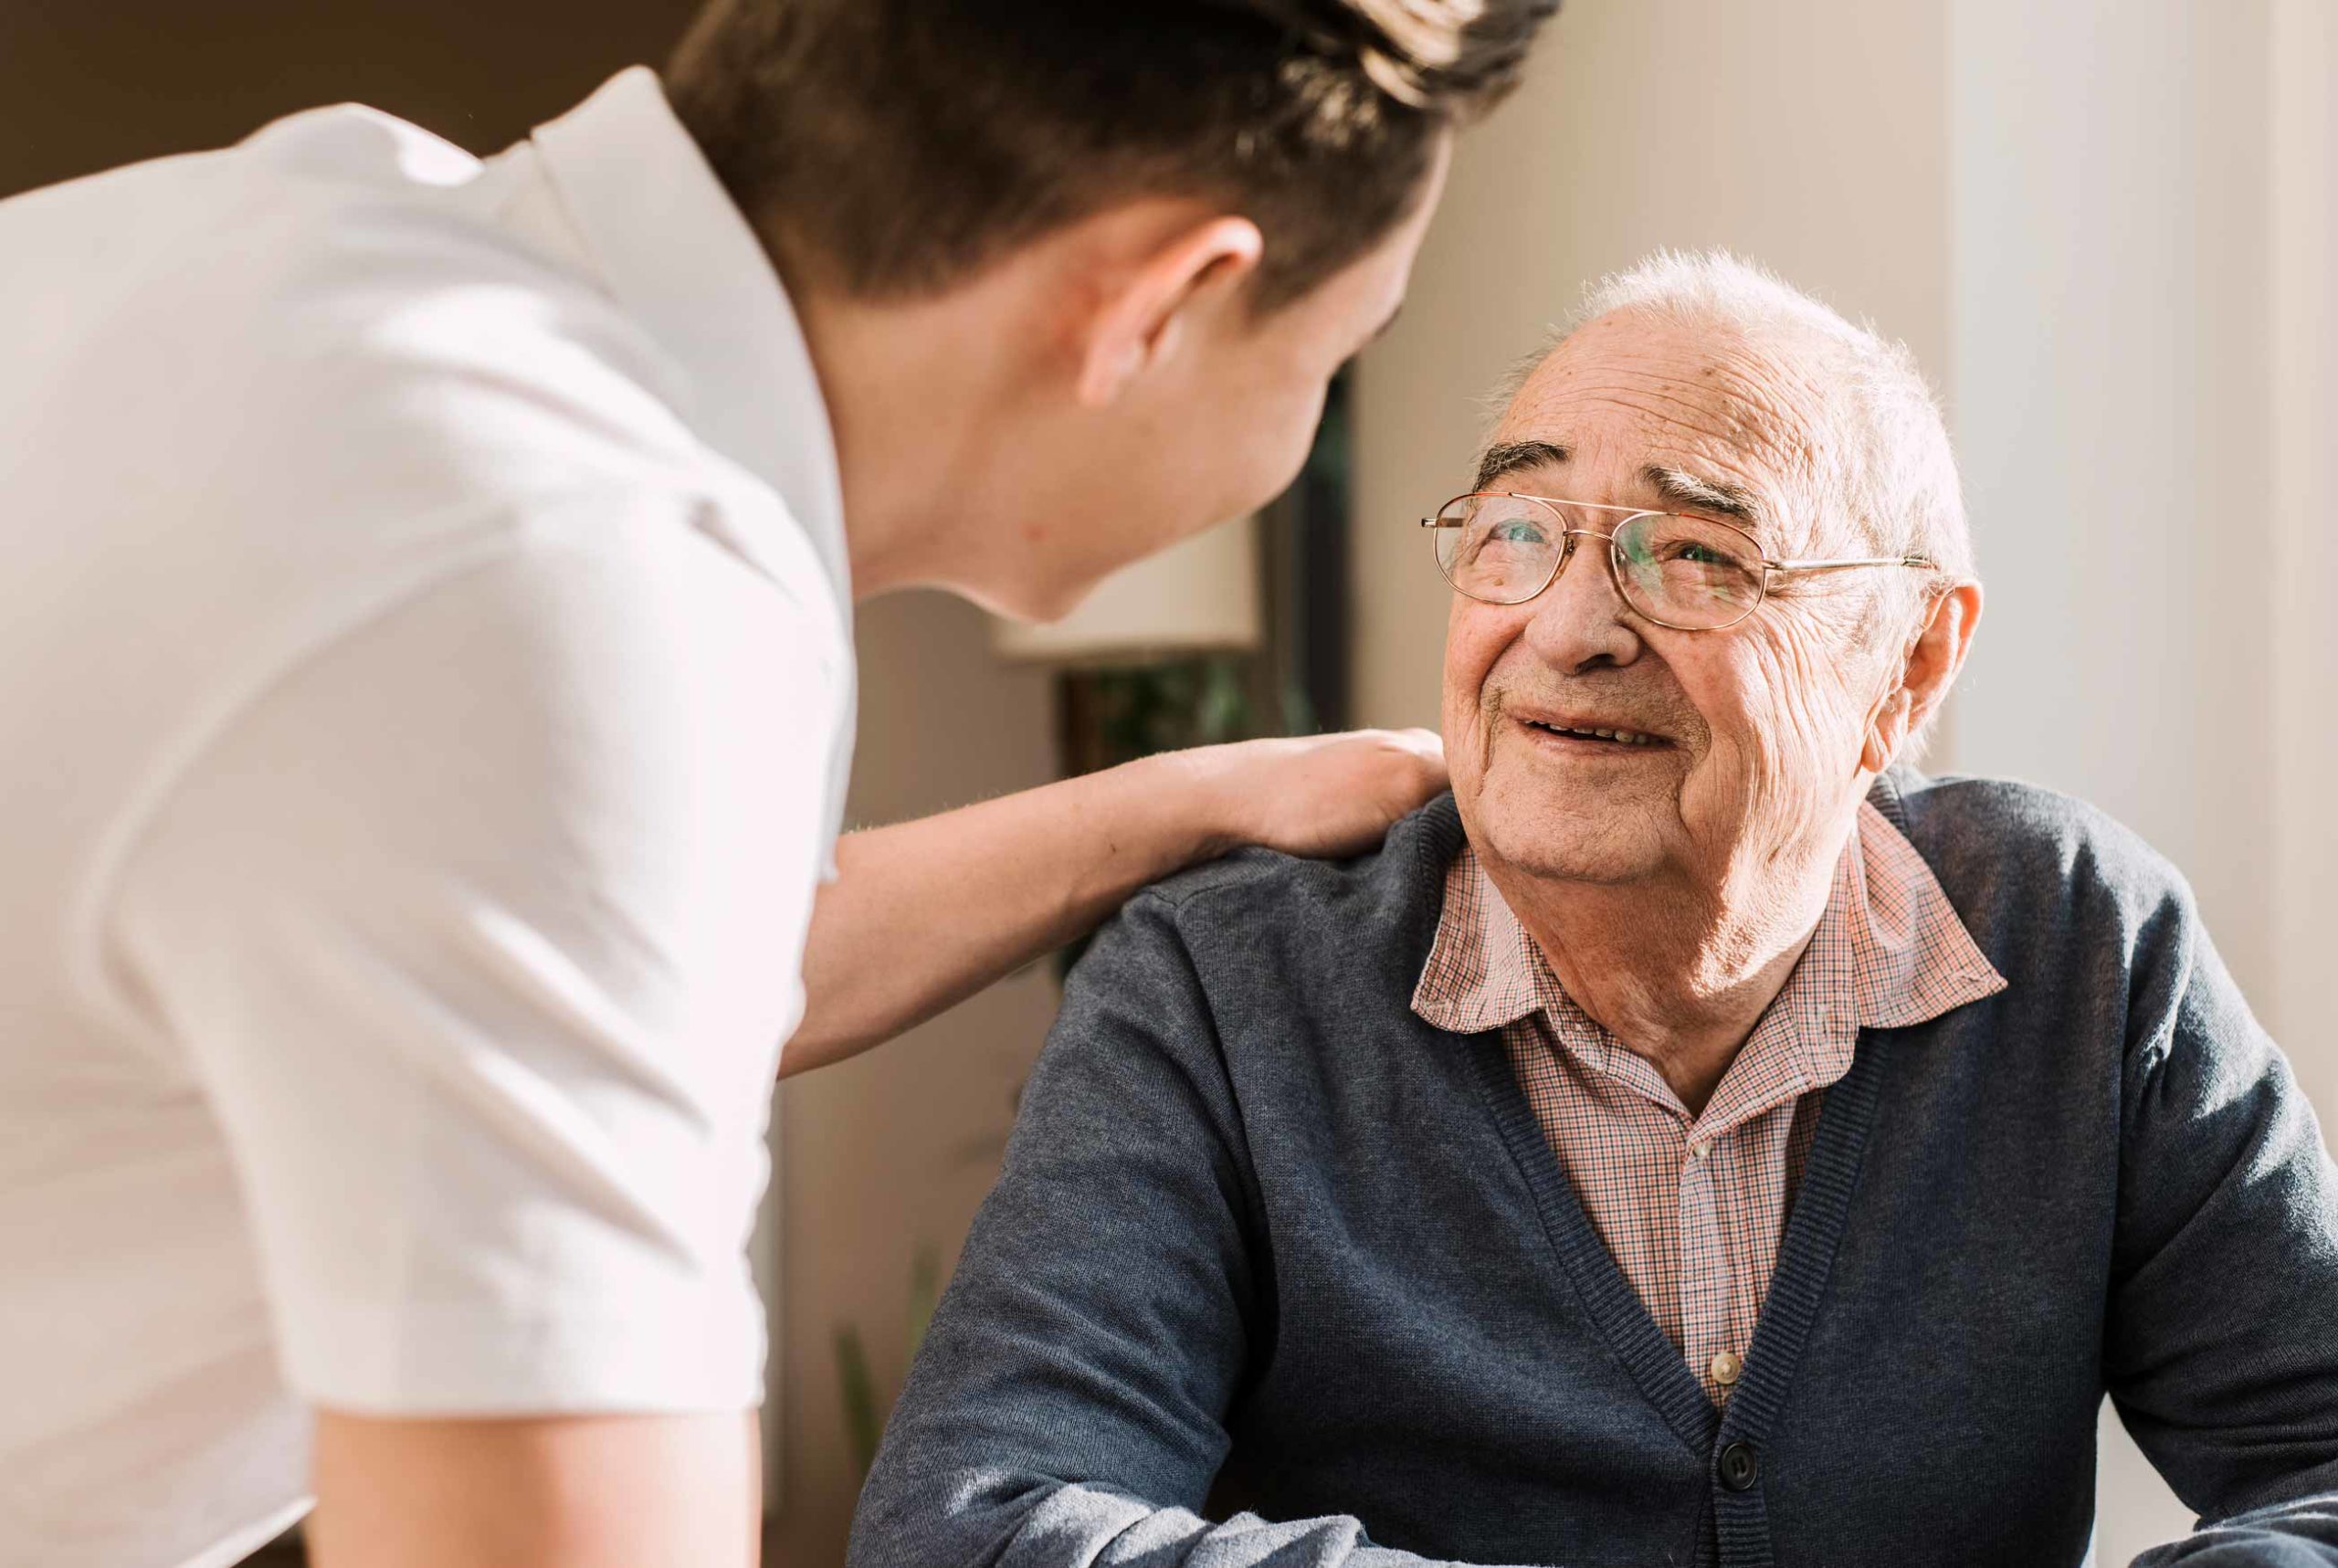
(1579, 622)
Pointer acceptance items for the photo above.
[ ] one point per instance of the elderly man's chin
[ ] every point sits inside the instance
(1588, 830)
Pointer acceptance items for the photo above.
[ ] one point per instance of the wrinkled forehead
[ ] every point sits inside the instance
(1642, 409)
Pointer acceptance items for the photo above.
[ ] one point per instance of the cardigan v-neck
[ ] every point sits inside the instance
(1692, 1207)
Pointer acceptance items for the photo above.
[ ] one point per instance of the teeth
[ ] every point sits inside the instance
(1626, 737)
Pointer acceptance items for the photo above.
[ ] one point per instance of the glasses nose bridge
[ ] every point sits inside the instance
(1567, 537)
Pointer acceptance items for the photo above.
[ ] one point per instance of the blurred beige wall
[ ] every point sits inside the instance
(2302, 298)
(2144, 378)
(2112, 379)
(2106, 229)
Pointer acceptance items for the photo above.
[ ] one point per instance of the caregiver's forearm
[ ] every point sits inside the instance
(924, 914)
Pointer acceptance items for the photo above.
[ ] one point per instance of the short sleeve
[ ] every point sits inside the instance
(480, 930)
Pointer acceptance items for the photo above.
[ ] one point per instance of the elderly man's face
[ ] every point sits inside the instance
(1760, 725)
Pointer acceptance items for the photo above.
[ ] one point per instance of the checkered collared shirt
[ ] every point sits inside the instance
(1692, 1207)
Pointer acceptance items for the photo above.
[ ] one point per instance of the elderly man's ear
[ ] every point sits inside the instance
(1926, 672)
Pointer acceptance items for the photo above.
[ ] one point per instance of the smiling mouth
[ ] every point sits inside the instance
(1621, 738)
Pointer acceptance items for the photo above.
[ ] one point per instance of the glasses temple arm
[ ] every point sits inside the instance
(1849, 565)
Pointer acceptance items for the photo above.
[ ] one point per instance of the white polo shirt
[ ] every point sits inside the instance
(425, 692)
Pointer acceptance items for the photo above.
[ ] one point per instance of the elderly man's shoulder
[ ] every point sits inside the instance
(2015, 850)
(1257, 902)
(1417, 850)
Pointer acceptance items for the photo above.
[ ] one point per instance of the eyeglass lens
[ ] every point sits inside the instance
(1680, 570)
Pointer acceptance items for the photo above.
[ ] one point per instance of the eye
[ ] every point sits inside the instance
(1686, 544)
(1514, 530)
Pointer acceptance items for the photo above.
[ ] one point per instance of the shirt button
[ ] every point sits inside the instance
(1740, 1466)
(1726, 1365)
(1700, 1149)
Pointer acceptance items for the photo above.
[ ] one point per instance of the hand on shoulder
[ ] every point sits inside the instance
(1316, 795)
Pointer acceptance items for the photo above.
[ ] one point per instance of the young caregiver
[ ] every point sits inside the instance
(428, 694)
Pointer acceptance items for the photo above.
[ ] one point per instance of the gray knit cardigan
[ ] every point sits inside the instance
(1277, 1273)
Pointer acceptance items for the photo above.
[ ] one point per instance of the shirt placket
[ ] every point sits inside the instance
(1708, 1281)
(1763, 1084)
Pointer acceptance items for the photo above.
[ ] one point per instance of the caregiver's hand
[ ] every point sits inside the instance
(924, 914)
(1323, 794)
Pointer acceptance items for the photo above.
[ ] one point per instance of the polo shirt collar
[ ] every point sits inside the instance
(681, 261)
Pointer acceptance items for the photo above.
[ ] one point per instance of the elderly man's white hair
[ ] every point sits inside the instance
(1882, 463)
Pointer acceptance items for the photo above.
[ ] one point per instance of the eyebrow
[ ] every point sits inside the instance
(1674, 487)
(1506, 458)
(1678, 488)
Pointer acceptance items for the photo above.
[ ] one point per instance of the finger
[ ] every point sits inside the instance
(1426, 751)
(1420, 743)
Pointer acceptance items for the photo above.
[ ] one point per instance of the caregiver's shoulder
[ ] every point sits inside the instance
(342, 288)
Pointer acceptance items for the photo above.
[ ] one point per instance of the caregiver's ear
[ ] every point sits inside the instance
(1148, 301)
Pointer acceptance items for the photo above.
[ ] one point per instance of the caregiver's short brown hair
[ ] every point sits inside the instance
(900, 145)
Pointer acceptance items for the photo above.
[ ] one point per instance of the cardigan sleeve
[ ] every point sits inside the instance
(1068, 1405)
(2221, 1330)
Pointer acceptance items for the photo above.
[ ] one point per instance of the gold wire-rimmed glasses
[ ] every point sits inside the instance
(1687, 572)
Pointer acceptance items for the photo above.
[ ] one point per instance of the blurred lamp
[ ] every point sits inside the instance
(1199, 596)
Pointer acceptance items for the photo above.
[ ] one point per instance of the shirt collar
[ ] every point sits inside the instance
(675, 251)
(1889, 950)
(1908, 954)
(1483, 970)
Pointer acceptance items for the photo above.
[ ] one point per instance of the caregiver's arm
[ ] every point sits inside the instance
(924, 914)
(567, 1492)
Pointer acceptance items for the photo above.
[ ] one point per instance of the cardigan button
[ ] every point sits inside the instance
(1740, 1466)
